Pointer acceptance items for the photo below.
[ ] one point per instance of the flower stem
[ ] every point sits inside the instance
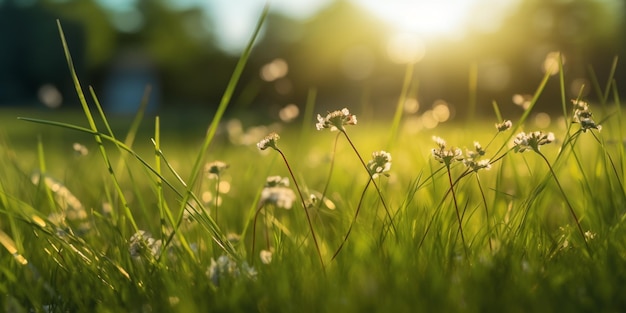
(380, 195)
(456, 207)
(569, 205)
(356, 213)
(482, 194)
(256, 215)
(217, 196)
(330, 172)
(308, 217)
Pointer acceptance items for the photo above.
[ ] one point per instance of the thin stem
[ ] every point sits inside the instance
(217, 196)
(356, 213)
(330, 172)
(256, 215)
(380, 195)
(569, 205)
(456, 207)
(482, 194)
(308, 217)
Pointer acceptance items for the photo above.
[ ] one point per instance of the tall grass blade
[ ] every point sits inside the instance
(397, 117)
(94, 128)
(230, 88)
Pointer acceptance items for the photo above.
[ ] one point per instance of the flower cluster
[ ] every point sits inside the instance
(505, 125)
(445, 155)
(379, 164)
(532, 141)
(266, 256)
(268, 142)
(583, 115)
(277, 192)
(226, 267)
(472, 157)
(142, 243)
(336, 120)
(215, 168)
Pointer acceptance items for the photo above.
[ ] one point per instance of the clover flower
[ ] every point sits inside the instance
(472, 158)
(532, 141)
(583, 115)
(277, 192)
(379, 164)
(266, 256)
(226, 267)
(335, 120)
(445, 155)
(505, 125)
(141, 243)
(215, 168)
(268, 142)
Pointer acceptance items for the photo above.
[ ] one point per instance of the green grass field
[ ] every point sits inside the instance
(137, 218)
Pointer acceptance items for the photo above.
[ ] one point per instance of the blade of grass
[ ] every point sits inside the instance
(309, 108)
(94, 128)
(609, 81)
(230, 88)
(134, 126)
(473, 88)
(397, 117)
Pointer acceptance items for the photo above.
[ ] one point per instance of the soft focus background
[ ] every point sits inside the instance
(350, 53)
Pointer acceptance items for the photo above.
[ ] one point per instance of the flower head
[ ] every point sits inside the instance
(379, 164)
(506, 124)
(268, 142)
(523, 141)
(215, 168)
(472, 157)
(445, 155)
(226, 269)
(277, 192)
(142, 243)
(583, 115)
(335, 120)
(266, 256)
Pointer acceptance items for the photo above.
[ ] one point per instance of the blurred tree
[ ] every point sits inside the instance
(31, 56)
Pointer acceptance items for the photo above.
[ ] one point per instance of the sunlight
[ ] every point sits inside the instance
(436, 19)
(425, 17)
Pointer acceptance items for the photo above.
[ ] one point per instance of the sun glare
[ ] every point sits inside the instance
(428, 18)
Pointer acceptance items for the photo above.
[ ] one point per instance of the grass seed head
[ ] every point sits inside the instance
(379, 164)
(445, 155)
(505, 125)
(336, 120)
(277, 192)
(532, 141)
(268, 142)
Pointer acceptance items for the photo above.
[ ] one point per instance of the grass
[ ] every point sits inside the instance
(133, 227)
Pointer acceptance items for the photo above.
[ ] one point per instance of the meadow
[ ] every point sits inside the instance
(340, 212)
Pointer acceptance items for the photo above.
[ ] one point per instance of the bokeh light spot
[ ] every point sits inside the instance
(441, 111)
(289, 112)
(274, 70)
(411, 106)
(551, 63)
(429, 121)
(542, 120)
(224, 187)
(50, 96)
(522, 100)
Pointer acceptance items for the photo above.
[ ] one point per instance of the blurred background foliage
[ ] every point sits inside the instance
(346, 53)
